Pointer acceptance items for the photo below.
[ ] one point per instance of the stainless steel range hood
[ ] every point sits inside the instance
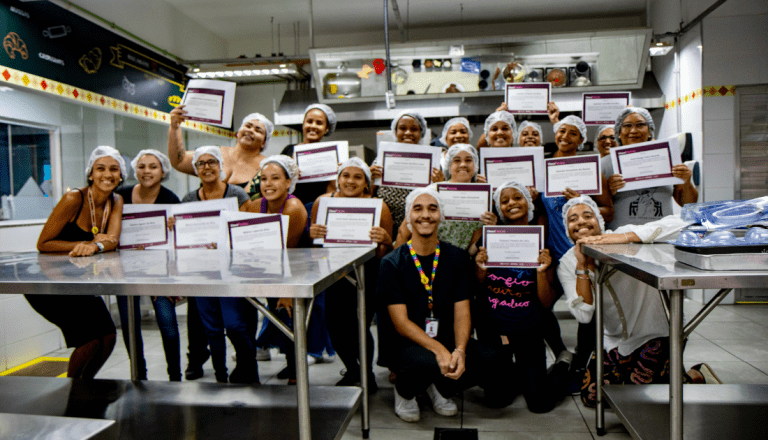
(291, 108)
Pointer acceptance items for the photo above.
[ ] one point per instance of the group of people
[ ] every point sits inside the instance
(446, 322)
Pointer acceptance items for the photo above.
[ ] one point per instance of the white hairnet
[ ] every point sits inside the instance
(523, 125)
(451, 122)
(104, 151)
(330, 116)
(288, 164)
(453, 151)
(164, 162)
(213, 151)
(601, 129)
(357, 163)
(518, 186)
(628, 111)
(495, 117)
(412, 198)
(583, 200)
(576, 122)
(415, 115)
(268, 126)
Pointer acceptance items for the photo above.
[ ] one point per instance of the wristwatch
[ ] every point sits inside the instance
(582, 272)
(100, 246)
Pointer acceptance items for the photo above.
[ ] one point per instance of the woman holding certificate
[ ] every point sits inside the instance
(86, 221)
(243, 161)
(499, 129)
(219, 314)
(279, 175)
(409, 127)
(353, 182)
(514, 300)
(463, 165)
(636, 330)
(319, 121)
(150, 168)
(635, 125)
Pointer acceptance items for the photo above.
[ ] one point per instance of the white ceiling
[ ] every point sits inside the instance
(237, 19)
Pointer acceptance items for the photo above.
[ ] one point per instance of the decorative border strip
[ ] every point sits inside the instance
(82, 96)
(708, 92)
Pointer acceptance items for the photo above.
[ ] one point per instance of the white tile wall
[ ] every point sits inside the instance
(720, 136)
(717, 194)
(19, 238)
(723, 107)
(34, 347)
(734, 50)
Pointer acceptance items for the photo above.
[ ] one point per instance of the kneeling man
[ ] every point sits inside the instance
(426, 286)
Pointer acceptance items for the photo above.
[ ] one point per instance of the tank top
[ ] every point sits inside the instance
(263, 208)
(72, 232)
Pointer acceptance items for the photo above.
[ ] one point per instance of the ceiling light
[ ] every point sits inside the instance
(660, 48)
(196, 69)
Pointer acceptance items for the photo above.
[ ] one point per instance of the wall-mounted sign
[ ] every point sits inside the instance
(44, 39)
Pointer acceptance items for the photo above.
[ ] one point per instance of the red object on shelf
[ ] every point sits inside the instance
(379, 66)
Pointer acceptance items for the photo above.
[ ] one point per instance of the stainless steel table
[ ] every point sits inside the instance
(25, 427)
(657, 268)
(294, 273)
(144, 410)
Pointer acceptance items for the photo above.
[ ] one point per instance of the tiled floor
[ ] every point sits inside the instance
(733, 340)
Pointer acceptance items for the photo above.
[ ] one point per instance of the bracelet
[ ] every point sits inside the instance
(625, 237)
(582, 272)
(459, 349)
(582, 277)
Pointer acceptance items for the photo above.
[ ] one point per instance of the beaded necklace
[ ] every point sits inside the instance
(92, 209)
(424, 280)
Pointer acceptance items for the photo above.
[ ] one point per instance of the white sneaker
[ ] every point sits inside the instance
(407, 409)
(311, 360)
(441, 405)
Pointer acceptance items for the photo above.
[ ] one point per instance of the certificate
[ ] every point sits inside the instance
(348, 221)
(349, 225)
(319, 162)
(603, 108)
(198, 223)
(579, 173)
(256, 233)
(524, 165)
(513, 246)
(464, 201)
(197, 230)
(143, 229)
(209, 101)
(648, 164)
(528, 98)
(252, 231)
(407, 166)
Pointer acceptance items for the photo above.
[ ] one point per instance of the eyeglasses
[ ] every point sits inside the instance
(629, 126)
(210, 163)
(605, 138)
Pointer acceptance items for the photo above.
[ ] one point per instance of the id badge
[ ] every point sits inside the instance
(430, 327)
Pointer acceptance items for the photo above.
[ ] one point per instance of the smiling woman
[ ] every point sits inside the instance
(86, 221)
(240, 164)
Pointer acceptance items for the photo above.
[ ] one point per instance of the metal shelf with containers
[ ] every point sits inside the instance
(591, 61)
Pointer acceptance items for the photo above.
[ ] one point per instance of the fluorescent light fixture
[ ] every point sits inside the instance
(456, 51)
(196, 69)
(660, 48)
(242, 71)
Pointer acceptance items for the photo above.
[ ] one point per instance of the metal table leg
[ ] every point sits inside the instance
(676, 365)
(302, 372)
(363, 341)
(132, 339)
(600, 407)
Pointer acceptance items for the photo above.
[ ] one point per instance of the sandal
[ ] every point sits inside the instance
(710, 378)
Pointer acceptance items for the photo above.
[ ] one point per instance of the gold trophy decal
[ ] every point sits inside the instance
(13, 43)
(91, 61)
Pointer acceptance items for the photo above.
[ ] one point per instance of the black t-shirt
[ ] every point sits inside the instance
(307, 192)
(164, 197)
(400, 283)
